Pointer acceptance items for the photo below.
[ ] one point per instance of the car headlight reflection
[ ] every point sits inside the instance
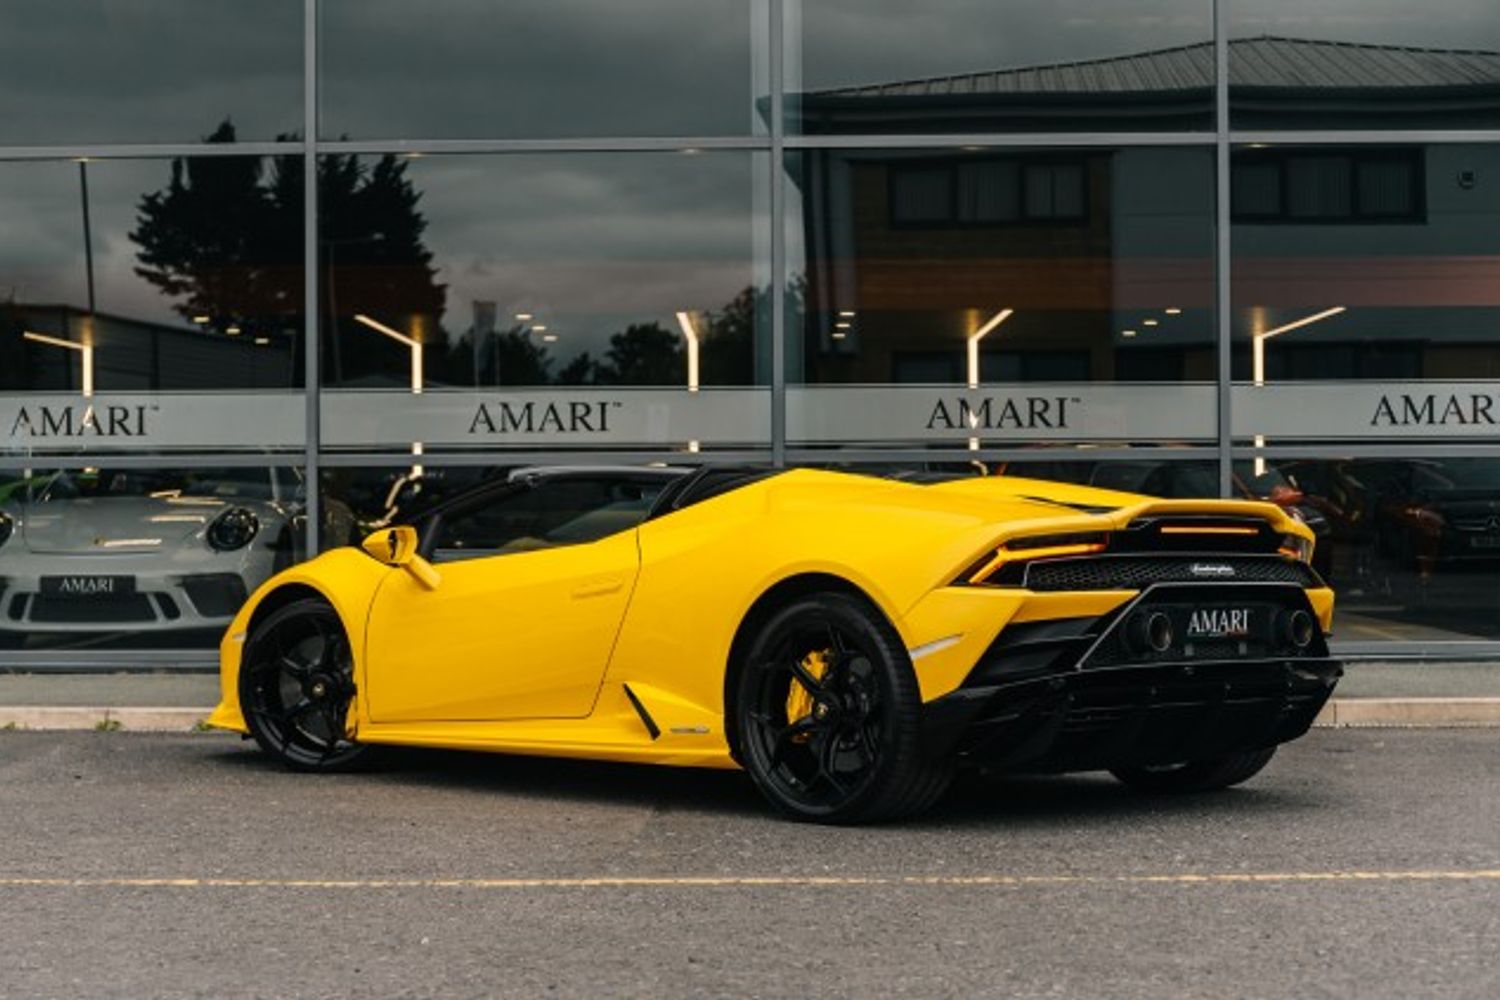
(233, 529)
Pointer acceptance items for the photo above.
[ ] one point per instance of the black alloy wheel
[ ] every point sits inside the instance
(828, 716)
(1197, 775)
(296, 685)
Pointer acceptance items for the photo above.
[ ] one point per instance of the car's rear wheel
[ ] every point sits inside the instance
(1197, 775)
(296, 686)
(828, 716)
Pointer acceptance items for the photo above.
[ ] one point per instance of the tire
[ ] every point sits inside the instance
(296, 684)
(828, 716)
(1196, 776)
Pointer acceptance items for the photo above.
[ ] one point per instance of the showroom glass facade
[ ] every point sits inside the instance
(270, 273)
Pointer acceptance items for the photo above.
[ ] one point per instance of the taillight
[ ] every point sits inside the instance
(1022, 550)
(1296, 547)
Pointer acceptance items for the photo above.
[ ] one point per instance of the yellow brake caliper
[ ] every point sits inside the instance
(799, 700)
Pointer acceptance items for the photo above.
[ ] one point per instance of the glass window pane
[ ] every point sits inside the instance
(1386, 188)
(1366, 307)
(126, 557)
(988, 296)
(568, 274)
(955, 66)
(1319, 186)
(151, 305)
(176, 274)
(541, 68)
(988, 192)
(1411, 545)
(107, 71)
(1364, 64)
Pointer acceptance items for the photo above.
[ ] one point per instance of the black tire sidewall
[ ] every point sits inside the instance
(901, 707)
(308, 606)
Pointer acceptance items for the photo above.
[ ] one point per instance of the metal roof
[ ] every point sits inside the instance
(1265, 61)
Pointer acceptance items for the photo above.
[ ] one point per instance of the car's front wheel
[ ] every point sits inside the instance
(828, 715)
(296, 686)
(1198, 775)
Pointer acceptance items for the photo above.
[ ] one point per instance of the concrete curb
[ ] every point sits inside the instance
(138, 719)
(1341, 712)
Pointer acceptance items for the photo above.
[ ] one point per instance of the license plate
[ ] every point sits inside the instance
(1218, 623)
(87, 585)
(1485, 542)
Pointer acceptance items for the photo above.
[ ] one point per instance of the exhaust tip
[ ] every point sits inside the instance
(1150, 632)
(1300, 629)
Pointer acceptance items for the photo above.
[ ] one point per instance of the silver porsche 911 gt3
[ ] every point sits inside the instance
(121, 550)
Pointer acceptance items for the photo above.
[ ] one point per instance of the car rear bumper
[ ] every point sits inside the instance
(1074, 695)
(1155, 714)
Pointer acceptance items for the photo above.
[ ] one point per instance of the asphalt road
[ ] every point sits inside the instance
(165, 866)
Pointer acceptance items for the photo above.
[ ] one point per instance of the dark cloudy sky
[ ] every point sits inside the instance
(94, 71)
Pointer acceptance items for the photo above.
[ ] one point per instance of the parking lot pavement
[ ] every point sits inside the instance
(1362, 863)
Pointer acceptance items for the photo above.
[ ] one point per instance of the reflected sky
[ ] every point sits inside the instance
(97, 71)
(589, 243)
(1456, 24)
(476, 68)
(605, 239)
(878, 41)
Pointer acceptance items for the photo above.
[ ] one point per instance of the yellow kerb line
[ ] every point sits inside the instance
(772, 881)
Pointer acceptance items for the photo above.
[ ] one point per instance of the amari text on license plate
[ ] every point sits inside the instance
(1219, 623)
(87, 585)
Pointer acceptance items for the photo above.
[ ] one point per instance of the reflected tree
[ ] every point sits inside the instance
(643, 354)
(507, 357)
(223, 239)
(727, 356)
(220, 240)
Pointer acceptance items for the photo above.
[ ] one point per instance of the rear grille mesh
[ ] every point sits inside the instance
(1137, 572)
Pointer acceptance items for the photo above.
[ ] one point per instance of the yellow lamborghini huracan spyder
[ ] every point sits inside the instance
(847, 640)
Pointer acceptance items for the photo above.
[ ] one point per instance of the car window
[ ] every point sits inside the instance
(567, 511)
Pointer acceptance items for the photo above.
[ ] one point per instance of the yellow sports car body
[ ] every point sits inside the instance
(848, 640)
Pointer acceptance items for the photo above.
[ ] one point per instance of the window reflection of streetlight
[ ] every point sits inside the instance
(415, 347)
(972, 359)
(85, 354)
(1258, 362)
(690, 334)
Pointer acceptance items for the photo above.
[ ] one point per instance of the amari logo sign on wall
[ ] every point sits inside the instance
(586, 417)
(81, 421)
(675, 418)
(1001, 414)
(35, 423)
(1351, 410)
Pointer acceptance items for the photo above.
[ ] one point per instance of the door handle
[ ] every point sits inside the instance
(598, 588)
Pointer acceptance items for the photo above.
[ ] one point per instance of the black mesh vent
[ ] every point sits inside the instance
(97, 608)
(1137, 572)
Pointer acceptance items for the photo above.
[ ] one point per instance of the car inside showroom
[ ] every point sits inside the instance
(288, 272)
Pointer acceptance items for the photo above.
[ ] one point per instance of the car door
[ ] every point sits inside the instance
(535, 580)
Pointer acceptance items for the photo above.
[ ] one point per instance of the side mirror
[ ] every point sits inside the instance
(398, 547)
